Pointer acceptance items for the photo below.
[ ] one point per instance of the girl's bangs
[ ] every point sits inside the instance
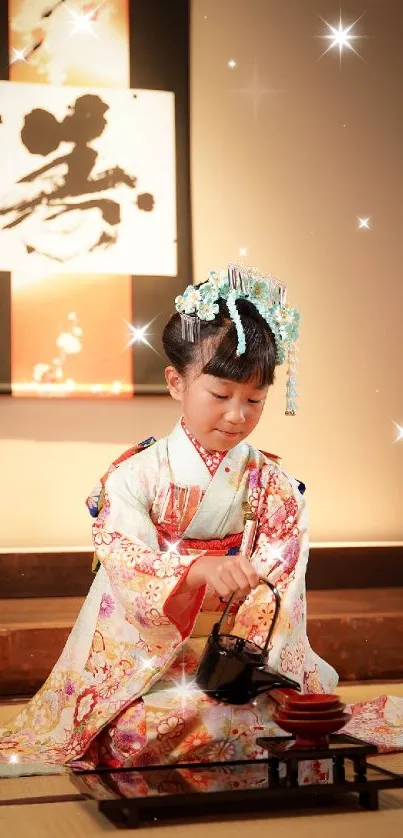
(256, 364)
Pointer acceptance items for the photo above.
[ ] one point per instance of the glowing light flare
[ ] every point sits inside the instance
(243, 251)
(83, 21)
(138, 334)
(172, 546)
(400, 432)
(232, 64)
(256, 91)
(341, 37)
(364, 223)
(18, 55)
(186, 691)
(14, 759)
(148, 664)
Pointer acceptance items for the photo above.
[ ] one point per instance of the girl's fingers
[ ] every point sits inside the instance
(222, 590)
(250, 573)
(233, 576)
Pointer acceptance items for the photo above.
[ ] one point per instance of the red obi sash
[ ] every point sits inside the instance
(211, 545)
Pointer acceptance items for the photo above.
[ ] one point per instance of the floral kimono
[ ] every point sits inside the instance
(121, 693)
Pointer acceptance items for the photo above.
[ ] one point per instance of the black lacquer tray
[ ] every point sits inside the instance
(195, 791)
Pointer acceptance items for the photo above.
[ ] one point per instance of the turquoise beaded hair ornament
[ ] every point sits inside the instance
(200, 304)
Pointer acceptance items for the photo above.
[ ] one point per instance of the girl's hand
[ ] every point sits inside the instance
(227, 575)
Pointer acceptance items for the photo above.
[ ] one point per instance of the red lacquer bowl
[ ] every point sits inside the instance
(311, 701)
(333, 713)
(310, 733)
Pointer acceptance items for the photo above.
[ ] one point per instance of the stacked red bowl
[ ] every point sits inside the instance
(311, 718)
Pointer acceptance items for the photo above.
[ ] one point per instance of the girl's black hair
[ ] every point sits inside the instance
(257, 363)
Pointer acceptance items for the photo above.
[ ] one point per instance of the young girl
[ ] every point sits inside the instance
(167, 536)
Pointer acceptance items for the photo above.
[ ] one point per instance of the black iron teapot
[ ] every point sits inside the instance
(234, 670)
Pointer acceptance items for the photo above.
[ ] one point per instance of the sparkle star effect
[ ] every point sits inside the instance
(13, 759)
(232, 64)
(18, 55)
(256, 91)
(243, 251)
(364, 223)
(341, 37)
(148, 664)
(186, 691)
(400, 432)
(172, 546)
(139, 334)
(83, 22)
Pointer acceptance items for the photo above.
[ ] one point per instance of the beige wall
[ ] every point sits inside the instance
(286, 179)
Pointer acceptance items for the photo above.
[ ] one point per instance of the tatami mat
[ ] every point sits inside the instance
(80, 819)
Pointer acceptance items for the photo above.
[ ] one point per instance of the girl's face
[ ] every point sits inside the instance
(219, 413)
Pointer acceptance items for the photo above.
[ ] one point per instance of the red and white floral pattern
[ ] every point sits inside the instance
(379, 722)
(212, 459)
(117, 676)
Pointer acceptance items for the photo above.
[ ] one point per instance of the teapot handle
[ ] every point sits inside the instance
(277, 602)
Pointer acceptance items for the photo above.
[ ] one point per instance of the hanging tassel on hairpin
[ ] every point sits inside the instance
(291, 391)
(190, 328)
(234, 277)
(239, 278)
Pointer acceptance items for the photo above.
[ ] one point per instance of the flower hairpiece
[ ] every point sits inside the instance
(199, 304)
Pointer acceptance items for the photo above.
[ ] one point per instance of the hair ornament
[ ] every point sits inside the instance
(199, 304)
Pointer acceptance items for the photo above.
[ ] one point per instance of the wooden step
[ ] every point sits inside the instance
(360, 632)
(32, 635)
(67, 573)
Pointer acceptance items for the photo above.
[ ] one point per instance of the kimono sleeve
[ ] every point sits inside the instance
(282, 545)
(144, 579)
(280, 555)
